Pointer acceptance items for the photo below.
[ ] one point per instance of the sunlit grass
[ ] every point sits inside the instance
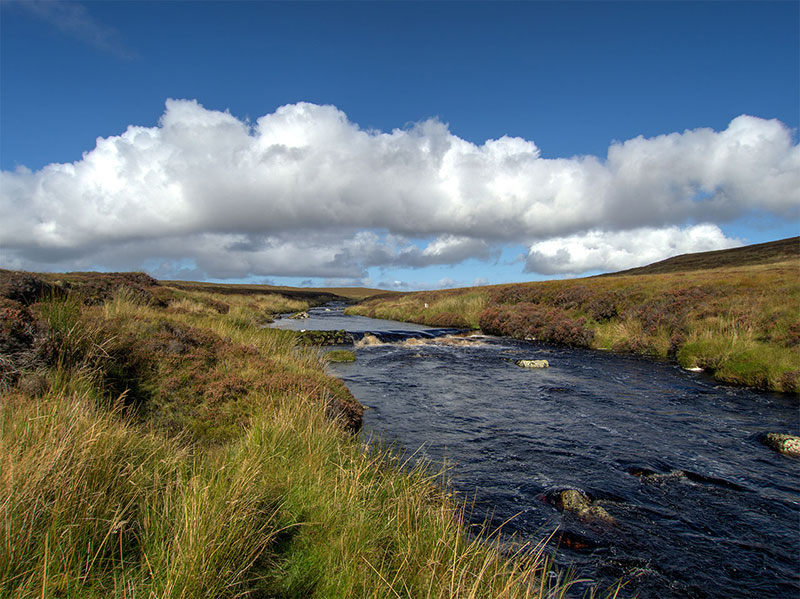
(460, 308)
(176, 452)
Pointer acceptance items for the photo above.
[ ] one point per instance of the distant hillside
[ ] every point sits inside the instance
(762, 253)
(314, 294)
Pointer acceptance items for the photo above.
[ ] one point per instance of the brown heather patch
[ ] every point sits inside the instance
(193, 381)
(535, 322)
(90, 287)
(202, 382)
(18, 333)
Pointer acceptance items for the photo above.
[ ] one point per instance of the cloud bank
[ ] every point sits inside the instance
(305, 192)
(619, 250)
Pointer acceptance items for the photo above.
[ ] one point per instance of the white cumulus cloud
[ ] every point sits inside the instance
(305, 192)
(607, 252)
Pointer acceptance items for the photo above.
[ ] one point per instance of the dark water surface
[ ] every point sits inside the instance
(701, 508)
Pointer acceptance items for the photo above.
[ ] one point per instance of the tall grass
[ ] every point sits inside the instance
(458, 308)
(96, 507)
(75, 480)
(246, 489)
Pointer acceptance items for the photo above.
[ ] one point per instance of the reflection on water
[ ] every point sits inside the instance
(700, 508)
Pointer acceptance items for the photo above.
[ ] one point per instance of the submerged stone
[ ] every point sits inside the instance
(340, 337)
(573, 500)
(580, 504)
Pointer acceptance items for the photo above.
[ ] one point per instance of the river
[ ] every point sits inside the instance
(698, 507)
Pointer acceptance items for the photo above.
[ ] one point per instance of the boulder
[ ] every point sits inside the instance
(340, 337)
(299, 315)
(783, 443)
(532, 363)
(580, 504)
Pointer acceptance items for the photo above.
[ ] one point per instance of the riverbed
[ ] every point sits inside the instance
(697, 506)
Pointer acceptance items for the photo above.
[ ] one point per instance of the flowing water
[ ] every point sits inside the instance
(698, 506)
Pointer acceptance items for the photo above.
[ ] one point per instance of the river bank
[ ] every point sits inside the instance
(157, 441)
(733, 314)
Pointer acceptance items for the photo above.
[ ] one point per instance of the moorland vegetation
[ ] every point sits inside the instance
(157, 441)
(733, 313)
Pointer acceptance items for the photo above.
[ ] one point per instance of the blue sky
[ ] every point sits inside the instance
(664, 85)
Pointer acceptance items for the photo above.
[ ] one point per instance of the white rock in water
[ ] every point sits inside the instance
(533, 363)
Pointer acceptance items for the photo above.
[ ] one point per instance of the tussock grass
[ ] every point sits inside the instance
(251, 310)
(452, 308)
(179, 452)
(74, 477)
(339, 355)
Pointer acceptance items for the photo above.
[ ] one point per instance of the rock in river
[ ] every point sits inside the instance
(533, 363)
(783, 443)
(580, 504)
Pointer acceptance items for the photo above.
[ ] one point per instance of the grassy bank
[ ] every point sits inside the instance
(736, 313)
(157, 442)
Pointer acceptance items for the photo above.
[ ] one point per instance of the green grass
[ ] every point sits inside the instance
(340, 355)
(184, 451)
(452, 308)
